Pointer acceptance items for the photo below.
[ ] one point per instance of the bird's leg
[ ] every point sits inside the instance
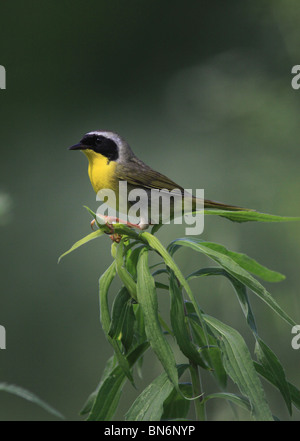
(108, 221)
(116, 237)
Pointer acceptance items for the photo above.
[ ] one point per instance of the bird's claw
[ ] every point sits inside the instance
(116, 237)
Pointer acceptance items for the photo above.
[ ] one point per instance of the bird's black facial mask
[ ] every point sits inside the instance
(100, 144)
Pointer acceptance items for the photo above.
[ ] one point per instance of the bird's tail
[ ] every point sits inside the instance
(220, 206)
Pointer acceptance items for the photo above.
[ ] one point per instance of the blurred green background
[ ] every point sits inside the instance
(202, 92)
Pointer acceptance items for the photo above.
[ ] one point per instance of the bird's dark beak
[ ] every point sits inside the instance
(78, 146)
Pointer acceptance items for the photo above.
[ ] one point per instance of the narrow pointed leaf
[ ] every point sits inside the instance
(29, 396)
(180, 325)
(83, 241)
(149, 405)
(147, 298)
(211, 354)
(236, 399)
(267, 375)
(108, 396)
(118, 228)
(176, 406)
(104, 284)
(127, 329)
(161, 250)
(118, 313)
(238, 272)
(139, 323)
(242, 296)
(124, 275)
(122, 321)
(246, 262)
(110, 365)
(239, 287)
(247, 216)
(131, 259)
(269, 360)
(139, 334)
(239, 366)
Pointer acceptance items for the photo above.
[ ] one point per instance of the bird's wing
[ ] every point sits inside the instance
(138, 174)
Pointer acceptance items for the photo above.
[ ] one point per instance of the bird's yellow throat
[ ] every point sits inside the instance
(101, 171)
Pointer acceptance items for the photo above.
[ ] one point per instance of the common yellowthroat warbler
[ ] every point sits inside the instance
(111, 160)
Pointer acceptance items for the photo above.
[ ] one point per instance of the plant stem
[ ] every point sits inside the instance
(196, 381)
(197, 392)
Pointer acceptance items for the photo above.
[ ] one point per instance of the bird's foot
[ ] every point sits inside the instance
(109, 220)
(115, 237)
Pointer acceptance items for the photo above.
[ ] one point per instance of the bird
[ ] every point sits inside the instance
(111, 161)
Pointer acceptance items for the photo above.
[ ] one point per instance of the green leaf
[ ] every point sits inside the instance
(247, 263)
(109, 393)
(161, 286)
(118, 228)
(81, 242)
(91, 212)
(234, 398)
(267, 374)
(110, 365)
(246, 216)
(160, 271)
(29, 396)
(122, 321)
(131, 260)
(122, 360)
(139, 334)
(149, 405)
(237, 272)
(108, 397)
(175, 405)
(211, 354)
(154, 243)
(239, 366)
(265, 355)
(104, 284)
(242, 296)
(269, 360)
(147, 298)
(209, 271)
(118, 313)
(239, 287)
(179, 325)
(295, 395)
(139, 323)
(124, 275)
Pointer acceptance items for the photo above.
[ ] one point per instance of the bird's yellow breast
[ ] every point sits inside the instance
(101, 171)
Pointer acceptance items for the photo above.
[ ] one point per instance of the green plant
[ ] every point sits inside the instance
(29, 396)
(134, 325)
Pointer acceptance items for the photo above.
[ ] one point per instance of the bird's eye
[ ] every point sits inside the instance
(99, 140)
